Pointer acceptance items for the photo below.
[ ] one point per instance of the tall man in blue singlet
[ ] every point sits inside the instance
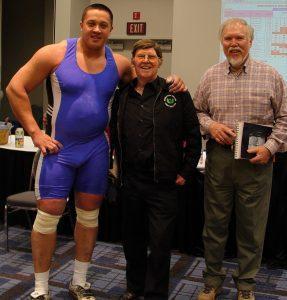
(83, 74)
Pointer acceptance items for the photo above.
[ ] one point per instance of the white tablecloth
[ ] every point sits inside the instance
(28, 145)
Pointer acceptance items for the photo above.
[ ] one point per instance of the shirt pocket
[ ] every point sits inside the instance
(260, 100)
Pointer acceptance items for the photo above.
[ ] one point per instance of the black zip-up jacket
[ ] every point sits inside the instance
(176, 150)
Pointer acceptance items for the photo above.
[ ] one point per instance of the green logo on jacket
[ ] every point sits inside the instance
(170, 101)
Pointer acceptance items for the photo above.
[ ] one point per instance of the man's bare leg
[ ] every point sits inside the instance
(85, 237)
(43, 245)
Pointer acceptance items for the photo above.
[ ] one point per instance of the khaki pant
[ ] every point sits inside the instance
(228, 183)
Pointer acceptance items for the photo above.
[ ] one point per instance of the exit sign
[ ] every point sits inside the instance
(136, 15)
(136, 28)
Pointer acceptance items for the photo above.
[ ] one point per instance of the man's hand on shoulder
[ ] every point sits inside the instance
(176, 84)
(262, 155)
(222, 133)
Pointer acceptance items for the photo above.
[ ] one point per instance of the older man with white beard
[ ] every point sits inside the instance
(238, 89)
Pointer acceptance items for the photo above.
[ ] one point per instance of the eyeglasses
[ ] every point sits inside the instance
(149, 57)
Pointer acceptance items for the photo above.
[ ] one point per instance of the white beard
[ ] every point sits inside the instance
(235, 63)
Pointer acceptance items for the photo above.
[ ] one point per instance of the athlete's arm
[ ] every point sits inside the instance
(125, 69)
(43, 62)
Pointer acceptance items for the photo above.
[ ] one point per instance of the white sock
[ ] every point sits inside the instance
(41, 283)
(80, 273)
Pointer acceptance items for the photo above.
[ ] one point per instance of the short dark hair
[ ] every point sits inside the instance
(98, 6)
(146, 44)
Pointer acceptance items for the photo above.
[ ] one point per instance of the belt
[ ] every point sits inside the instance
(225, 146)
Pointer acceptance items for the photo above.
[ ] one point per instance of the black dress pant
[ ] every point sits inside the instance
(149, 212)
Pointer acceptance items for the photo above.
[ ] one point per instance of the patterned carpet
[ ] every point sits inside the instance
(107, 272)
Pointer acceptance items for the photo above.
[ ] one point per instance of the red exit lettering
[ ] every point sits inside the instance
(136, 28)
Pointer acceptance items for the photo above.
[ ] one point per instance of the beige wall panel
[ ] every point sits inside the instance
(195, 43)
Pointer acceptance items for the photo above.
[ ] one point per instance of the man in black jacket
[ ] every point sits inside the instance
(158, 145)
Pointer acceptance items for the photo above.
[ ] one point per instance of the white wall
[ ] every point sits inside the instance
(77, 7)
(158, 17)
(68, 18)
(192, 25)
(195, 42)
(156, 13)
(62, 19)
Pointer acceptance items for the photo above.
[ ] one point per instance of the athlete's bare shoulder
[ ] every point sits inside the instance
(51, 55)
(124, 66)
(42, 63)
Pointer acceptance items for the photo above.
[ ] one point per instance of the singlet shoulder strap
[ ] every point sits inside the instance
(109, 54)
(71, 42)
(71, 46)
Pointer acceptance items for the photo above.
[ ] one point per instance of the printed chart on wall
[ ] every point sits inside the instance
(269, 20)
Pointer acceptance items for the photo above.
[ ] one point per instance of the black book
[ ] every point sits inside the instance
(249, 135)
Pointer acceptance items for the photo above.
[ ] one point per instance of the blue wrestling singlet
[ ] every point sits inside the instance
(78, 111)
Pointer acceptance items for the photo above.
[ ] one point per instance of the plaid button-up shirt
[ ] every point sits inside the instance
(257, 95)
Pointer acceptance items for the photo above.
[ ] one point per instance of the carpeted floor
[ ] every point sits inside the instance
(107, 272)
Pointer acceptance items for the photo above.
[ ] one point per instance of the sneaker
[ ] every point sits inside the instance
(130, 296)
(245, 295)
(35, 295)
(209, 293)
(81, 293)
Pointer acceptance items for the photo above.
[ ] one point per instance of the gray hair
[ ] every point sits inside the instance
(222, 27)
